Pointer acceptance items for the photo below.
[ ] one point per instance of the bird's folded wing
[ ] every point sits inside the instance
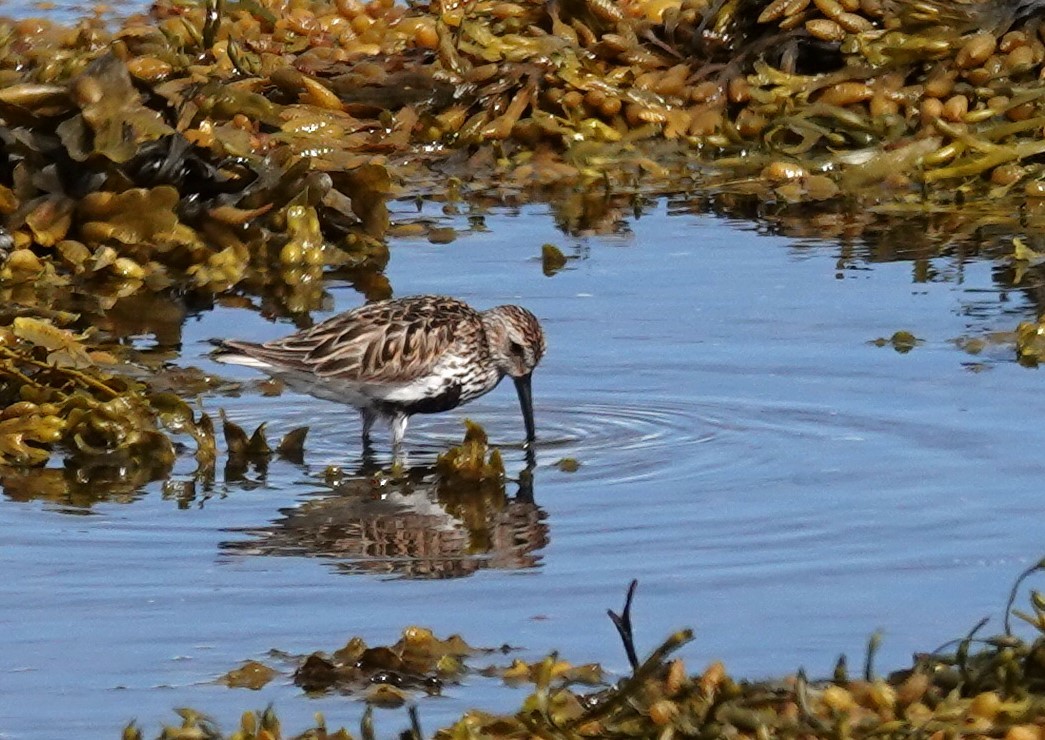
(378, 343)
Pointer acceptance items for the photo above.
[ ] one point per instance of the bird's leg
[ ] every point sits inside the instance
(369, 417)
(399, 459)
(398, 424)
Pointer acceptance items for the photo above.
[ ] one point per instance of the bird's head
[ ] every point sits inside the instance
(516, 343)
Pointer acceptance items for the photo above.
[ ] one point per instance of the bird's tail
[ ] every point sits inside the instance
(235, 352)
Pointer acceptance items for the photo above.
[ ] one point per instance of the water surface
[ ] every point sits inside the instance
(771, 477)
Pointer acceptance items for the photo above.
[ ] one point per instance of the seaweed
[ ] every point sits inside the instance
(979, 686)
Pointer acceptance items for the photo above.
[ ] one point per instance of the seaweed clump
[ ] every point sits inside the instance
(225, 101)
(471, 462)
(104, 183)
(981, 687)
(54, 393)
(384, 674)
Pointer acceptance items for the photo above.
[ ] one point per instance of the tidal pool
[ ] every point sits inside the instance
(773, 478)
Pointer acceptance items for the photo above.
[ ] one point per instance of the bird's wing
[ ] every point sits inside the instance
(385, 342)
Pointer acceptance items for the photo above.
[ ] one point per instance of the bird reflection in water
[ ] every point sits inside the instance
(417, 524)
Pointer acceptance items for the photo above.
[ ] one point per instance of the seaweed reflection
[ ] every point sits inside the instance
(937, 242)
(419, 524)
(78, 487)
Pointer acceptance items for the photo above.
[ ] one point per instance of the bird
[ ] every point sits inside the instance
(394, 358)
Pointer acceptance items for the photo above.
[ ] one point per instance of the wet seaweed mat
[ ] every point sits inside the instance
(973, 686)
(216, 152)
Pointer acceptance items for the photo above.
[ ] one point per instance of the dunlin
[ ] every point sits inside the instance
(395, 358)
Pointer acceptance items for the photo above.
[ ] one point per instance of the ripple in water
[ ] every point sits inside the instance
(662, 438)
(675, 439)
(628, 442)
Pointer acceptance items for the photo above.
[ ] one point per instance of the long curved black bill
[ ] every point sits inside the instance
(522, 386)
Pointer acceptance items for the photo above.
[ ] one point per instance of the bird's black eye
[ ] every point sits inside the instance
(517, 349)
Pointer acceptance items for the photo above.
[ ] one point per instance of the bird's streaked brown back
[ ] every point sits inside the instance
(384, 342)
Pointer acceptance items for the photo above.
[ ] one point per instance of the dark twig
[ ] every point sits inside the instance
(1040, 565)
(961, 656)
(960, 640)
(622, 622)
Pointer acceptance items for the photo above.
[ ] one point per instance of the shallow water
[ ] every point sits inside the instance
(771, 477)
